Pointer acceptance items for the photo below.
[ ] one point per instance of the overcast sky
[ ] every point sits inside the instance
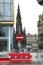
(30, 10)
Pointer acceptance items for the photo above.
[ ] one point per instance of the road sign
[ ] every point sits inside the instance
(19, 37)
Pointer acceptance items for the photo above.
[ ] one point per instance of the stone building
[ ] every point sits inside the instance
(40, 31)
(31, 40)
(19, 30)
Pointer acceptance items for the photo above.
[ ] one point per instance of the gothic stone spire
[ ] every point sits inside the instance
(18, 14)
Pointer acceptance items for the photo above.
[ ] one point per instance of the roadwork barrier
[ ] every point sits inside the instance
(20, 57)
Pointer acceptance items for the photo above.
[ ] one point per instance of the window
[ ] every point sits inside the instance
(8, 18)
(1, 1)
(6, 10)
(8, 1)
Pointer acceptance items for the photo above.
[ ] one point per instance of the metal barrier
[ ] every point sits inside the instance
(17, 57)
(4, 60)
(40, 57)
(34, 57)
(20, 57)
(4, 57)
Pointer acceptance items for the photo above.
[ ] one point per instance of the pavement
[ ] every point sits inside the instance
(21, 63)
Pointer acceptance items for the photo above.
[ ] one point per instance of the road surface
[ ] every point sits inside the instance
(21, 64)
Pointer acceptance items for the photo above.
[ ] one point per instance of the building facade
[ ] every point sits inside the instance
(19, 31)
(31, 40)
(6, 25)
(40, 31)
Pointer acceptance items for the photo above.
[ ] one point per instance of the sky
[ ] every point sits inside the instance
(30, 11)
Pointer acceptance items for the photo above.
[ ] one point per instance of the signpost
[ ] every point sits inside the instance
(19, 38)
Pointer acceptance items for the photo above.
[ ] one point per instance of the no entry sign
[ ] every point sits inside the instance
(19, 37)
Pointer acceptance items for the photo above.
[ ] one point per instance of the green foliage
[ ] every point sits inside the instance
(29, 43)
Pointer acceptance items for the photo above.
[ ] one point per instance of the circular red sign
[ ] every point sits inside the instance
(19, 37)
